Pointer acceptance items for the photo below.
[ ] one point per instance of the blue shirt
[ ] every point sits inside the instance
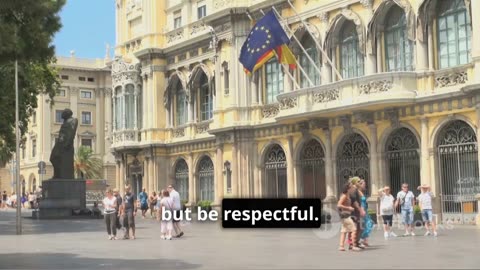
(407, 198)
(143, 197)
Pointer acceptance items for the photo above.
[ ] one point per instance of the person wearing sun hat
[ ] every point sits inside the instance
(425, 203)
(358, 213)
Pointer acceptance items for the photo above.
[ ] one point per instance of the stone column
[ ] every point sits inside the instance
(326, 73)
(330, 180)
(219, 186)
(191, 181)
(146, 174)
(431, 54)
(98, 121)
(424, 153)
(291, 187)
(235, 191)
(108, 123)
(475, 9)
(370, 64)
(374, 177)
(117, 175)
(421, 55)
(122, 175)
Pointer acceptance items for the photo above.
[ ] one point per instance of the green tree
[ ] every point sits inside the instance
(27, 28)
(87, 164)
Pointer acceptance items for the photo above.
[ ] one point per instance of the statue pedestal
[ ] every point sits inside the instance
(61, 197)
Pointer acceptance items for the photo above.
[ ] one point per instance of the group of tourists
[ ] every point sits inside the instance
(28, 200)
(120, 211)
(357, 223)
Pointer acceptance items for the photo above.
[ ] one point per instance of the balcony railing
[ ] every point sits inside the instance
(125, 137)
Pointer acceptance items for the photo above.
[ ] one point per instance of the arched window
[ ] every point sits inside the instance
(130, 111)
(118, 108)
(181, 106)
(273, 80)
(454, 33)
(275, 181)
(206, 99)
(352, 160)
(398, 48)
(457, 164)
(350, 56)
(307, 65)
(181, 179)
(206, 179)
(313, 170)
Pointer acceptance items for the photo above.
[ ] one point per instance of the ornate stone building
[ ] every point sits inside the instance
(400, 106)
(86, 90)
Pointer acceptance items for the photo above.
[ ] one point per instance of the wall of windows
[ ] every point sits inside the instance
(398, 48)
(273, 80)
(350, 56)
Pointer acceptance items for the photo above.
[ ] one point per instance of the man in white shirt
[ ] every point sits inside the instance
(177, 208)
(406, 200)
(425, 203)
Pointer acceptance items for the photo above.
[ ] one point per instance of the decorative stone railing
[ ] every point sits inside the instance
(178, 132)
(451, 77)
(126, 136)
(357, 92)
(186, 32)
(202, 127)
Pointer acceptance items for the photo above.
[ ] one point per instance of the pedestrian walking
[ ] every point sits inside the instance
(109, 211)
(119, 201)
(406, 200)
(157, 207)
(348, 226)
(129, 208)
(166, 225)
(425, 203)
(386, 211)
(152, 201)
(177, 207)
(358, 213)
(4, 200)
(143, 197)
(366, 221)
(31, 200)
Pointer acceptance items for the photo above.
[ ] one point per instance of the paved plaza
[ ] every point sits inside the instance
(83, 244)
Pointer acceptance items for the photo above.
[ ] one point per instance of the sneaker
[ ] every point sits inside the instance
(169, 238)
(110, 237)
(115, 238)
(356, 249)
(180, 234)
(341, 249)
(362, 246)
(435, 234)
(162, 237)
(385, 234)
(427, 233)
(392, 234)
(406, 234)
(412, 234)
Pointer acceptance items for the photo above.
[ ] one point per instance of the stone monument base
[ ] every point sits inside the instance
(61, 197)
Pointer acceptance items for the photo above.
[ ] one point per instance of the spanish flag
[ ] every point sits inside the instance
(266, 39)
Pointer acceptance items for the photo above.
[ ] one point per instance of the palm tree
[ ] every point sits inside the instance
(86, 164)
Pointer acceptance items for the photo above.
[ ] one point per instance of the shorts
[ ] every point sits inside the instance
(427, 215)
(407, 216)
(144, 207)
(388, 220)
(348, 225)
(129, 219)
(177, 215)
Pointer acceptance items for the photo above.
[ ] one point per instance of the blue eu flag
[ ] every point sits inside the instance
(266, 36)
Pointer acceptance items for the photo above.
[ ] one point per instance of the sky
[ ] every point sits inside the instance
(88, 25)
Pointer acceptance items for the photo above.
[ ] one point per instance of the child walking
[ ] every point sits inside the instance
(348, 226)
(166, 226)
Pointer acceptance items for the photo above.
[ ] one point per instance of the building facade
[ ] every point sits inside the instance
(86, 90)
(395, 101)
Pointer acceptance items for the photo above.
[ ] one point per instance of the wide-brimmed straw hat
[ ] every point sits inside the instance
(425, 186)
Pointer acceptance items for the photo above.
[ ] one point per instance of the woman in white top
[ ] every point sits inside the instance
(166, 205)
(386, 210)
(109, 210)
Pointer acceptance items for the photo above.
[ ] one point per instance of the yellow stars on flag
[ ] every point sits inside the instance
(267, 39)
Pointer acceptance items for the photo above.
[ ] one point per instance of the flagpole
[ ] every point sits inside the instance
(297, 63)
(316, 42)
(285, 70)
(297, 40)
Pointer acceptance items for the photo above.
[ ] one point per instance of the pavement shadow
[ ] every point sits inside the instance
(72, 261)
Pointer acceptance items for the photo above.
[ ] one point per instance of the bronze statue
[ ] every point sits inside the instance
(63, 151)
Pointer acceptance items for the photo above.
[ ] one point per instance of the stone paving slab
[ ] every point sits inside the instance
(83, 244)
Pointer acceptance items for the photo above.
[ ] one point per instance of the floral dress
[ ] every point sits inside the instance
(367, 220)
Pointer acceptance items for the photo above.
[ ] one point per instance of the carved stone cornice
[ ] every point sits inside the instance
(123, 73)
(323, 16)
(451, 79)
(346, 122)
(326, 96)
(270, 111)
(288, 103)
(393, 115)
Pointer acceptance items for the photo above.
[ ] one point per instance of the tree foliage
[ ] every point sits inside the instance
(27, 28)
(87, 165)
